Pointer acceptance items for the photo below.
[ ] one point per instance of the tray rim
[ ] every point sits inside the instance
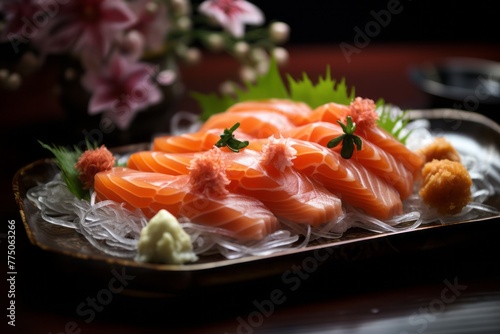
(192, 267)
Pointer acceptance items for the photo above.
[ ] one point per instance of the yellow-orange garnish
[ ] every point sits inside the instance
(439, 149)
(92, 162)
(446, 186)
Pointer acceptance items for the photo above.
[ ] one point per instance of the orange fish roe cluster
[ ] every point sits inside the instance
(363, 112)
(278, 153)
(445, 186)
(207, 173)
(92, 162)
(439, 149)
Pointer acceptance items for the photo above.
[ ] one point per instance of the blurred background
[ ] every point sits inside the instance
(324, 21)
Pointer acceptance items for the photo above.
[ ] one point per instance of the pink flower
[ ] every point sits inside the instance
(121, 89)
(232, 14)
(89, 27)
(151, 22)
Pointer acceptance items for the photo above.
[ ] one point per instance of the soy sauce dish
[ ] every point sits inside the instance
(462, 83)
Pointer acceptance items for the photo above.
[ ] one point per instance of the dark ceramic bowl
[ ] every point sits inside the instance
(461, 83)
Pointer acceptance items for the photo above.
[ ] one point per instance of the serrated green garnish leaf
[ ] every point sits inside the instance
(393, 123)
(272, 86)
(324, 91)
(65, 160)
(212, 103)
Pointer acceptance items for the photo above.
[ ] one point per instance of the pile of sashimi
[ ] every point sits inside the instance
(260, 177)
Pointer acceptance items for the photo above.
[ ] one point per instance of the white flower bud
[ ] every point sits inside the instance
(166, 77)
(152, 7)
(258, 55)
(262, 67)
(4, 74)
(228, 88)
(215, 42)
(184, 23)
(241, 49)
(13, 82)
(133, 44)
(248, 74)
(279, 32)
(280, 55)
(193, 56)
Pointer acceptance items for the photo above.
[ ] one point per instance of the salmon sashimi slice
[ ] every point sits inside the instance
(255, 124)
(192, 142)
(161, 162)
(288, 194)
(411, 160)
(329, 112)
(243, 217)
(354, 183)
(349, 180)
(371, 156)
(364, 115)
(297, 112)
(138, 190)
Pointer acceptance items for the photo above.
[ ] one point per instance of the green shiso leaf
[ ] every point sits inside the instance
(324, 91)
(393, 123)
(271, 85)
(65, 160)
(212, 103)
(268, 86)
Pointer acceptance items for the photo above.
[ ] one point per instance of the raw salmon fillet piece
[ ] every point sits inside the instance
(331, 112)
(349, 180)
(297, 112)
(243, 217)
(192, 142)
(371, 156)
(288, 194)
(255, 124)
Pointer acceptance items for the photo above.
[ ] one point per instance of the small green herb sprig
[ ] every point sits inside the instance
(66, 160)
(228, 139)
(349, 139)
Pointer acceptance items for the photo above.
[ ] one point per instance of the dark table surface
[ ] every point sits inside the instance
(449, 284)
